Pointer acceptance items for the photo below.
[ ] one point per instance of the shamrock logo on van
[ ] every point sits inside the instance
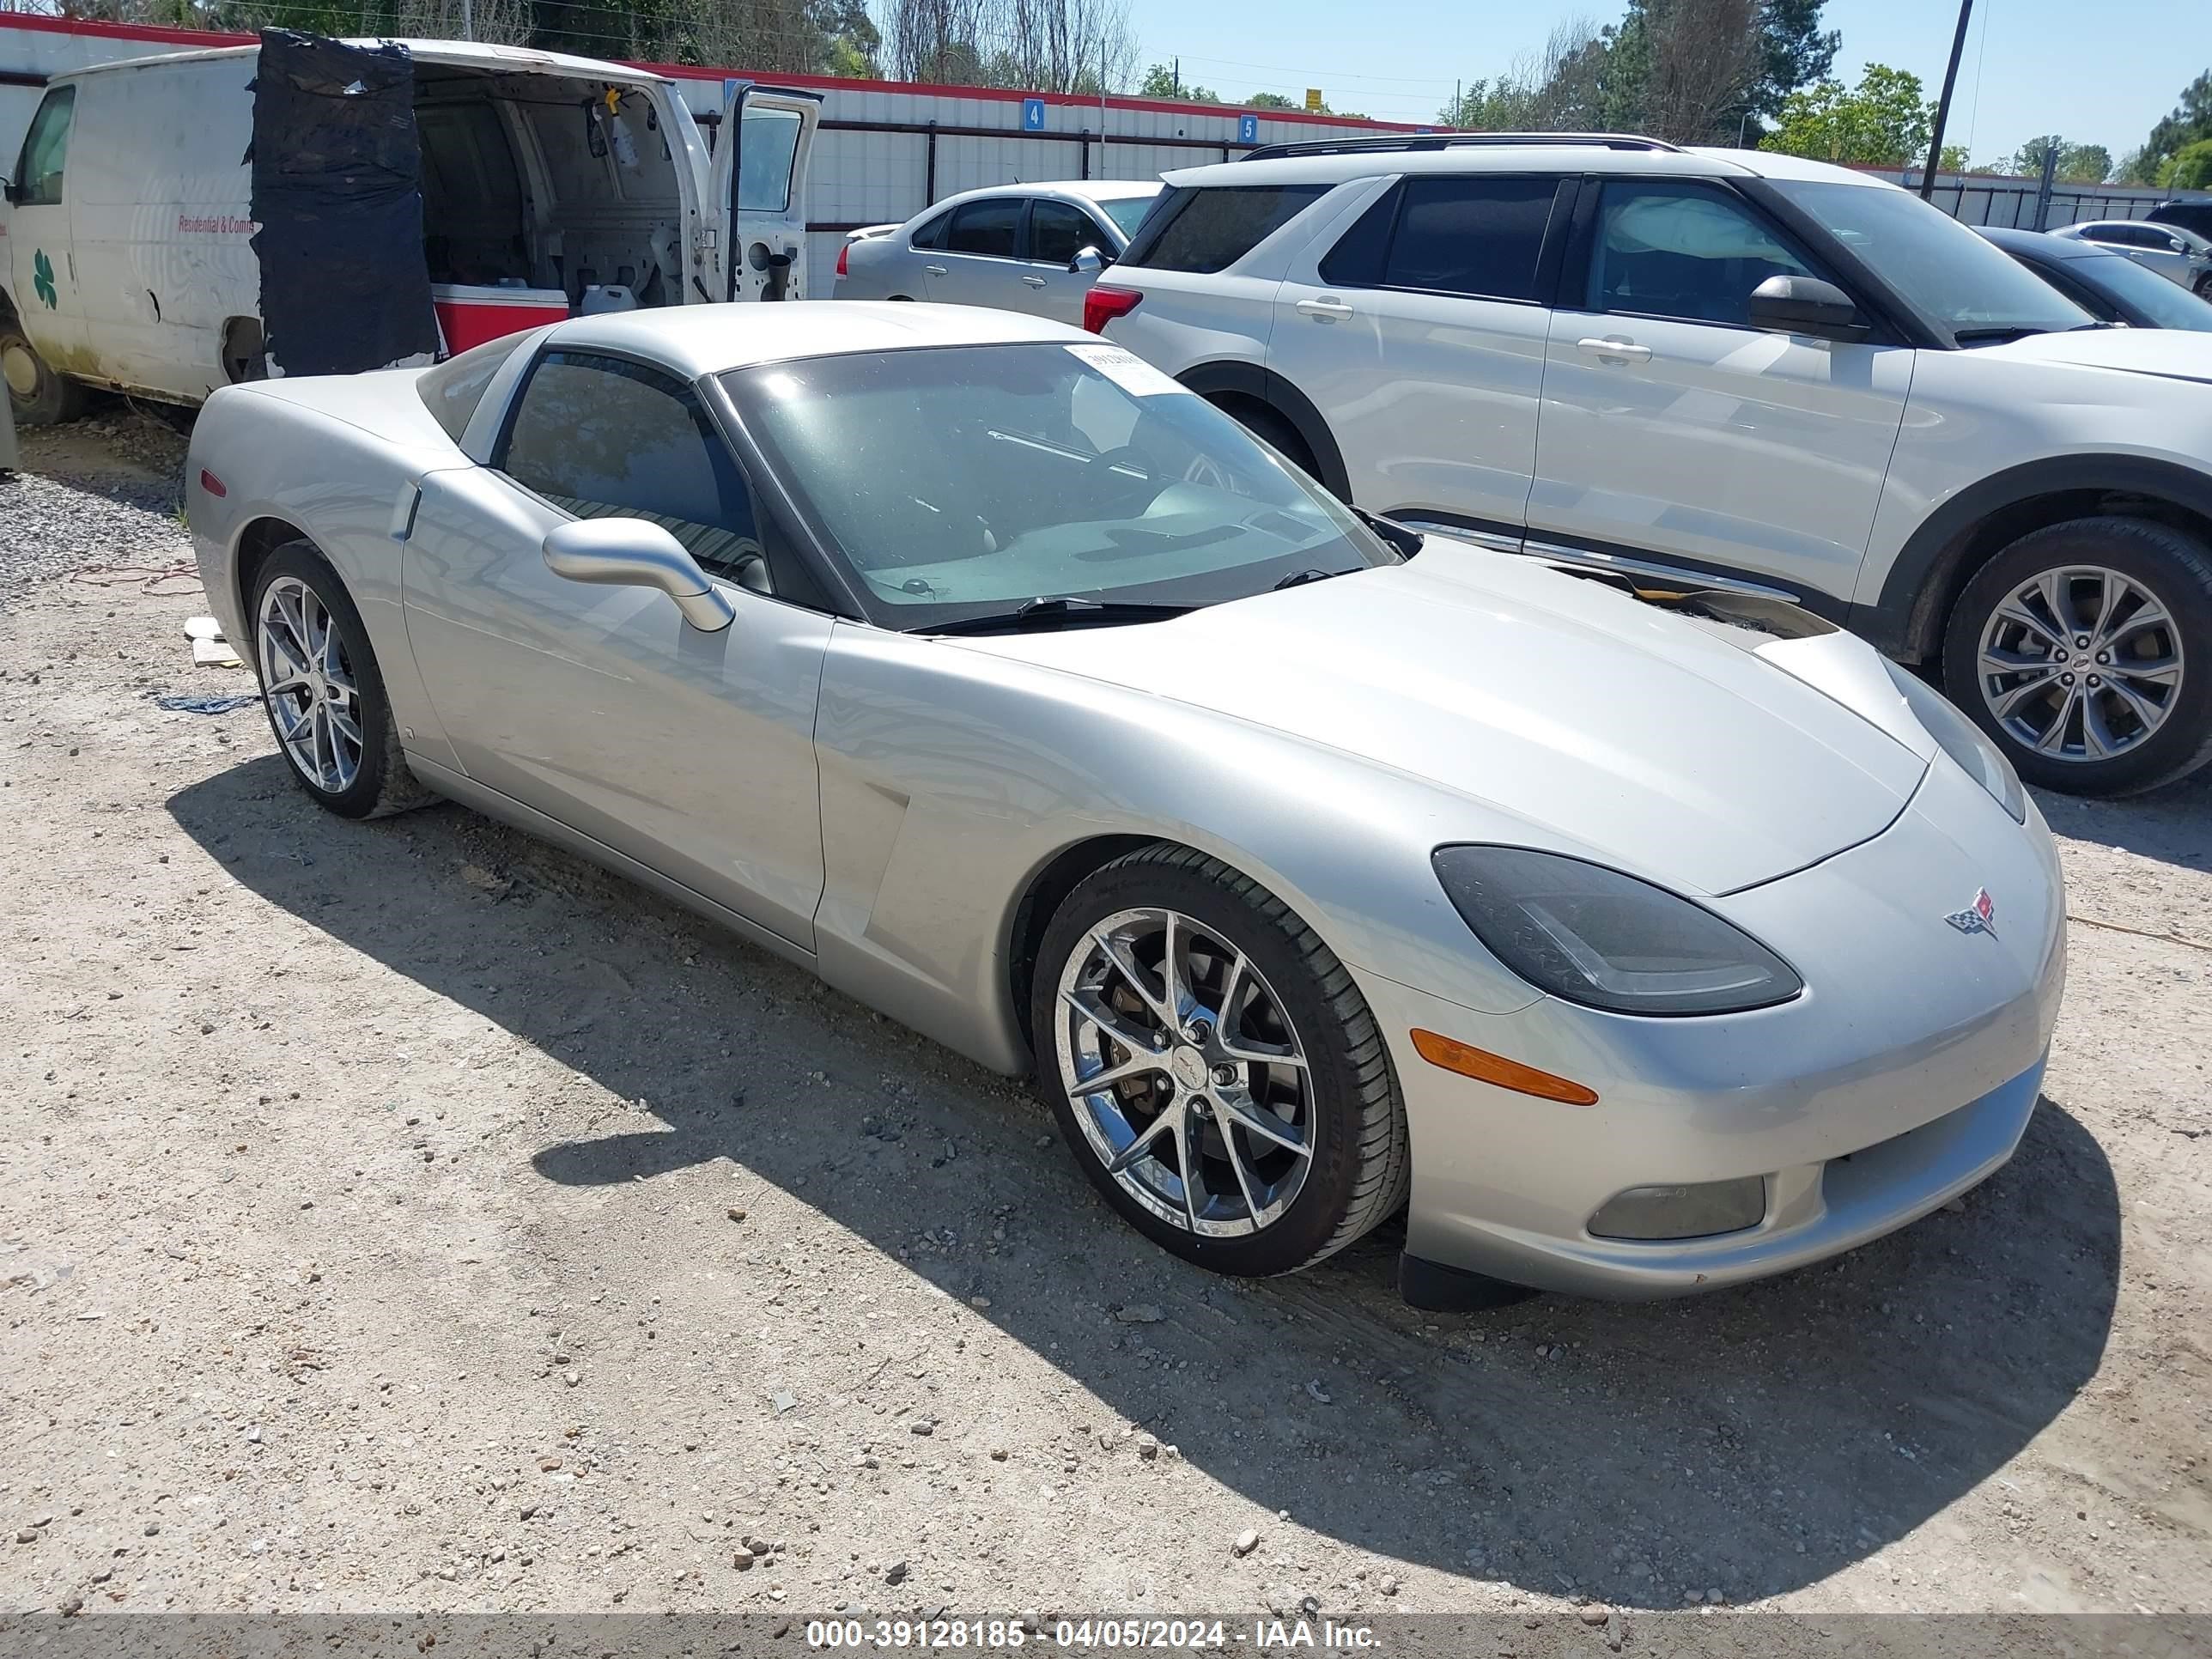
(42, 278)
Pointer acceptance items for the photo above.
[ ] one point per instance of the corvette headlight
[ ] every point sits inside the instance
(1962, 740)
(1596, 937)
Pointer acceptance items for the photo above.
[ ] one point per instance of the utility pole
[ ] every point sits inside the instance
(1178, 77)
(1943, 104)
(468, 21)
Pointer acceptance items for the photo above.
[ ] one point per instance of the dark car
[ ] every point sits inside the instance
(2190, 216)
(2109, 286)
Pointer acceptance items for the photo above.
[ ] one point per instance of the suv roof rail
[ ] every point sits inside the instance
(1455, 140)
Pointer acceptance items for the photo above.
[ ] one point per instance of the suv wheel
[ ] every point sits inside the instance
(2085, 649)
(1272, 429)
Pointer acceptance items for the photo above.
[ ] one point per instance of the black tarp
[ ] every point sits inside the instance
(338, 176)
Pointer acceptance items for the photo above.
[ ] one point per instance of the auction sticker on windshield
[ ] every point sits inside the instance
(1130, 372)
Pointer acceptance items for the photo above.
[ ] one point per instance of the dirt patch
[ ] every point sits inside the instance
(407, 1215)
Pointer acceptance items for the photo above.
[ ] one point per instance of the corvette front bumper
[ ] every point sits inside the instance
(1905, 1075)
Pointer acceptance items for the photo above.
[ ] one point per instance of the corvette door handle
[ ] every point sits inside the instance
(1330, 311)
(1615, 351)
(1034, 281)
(933, 271)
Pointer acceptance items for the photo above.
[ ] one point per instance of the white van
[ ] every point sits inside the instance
(544, 180)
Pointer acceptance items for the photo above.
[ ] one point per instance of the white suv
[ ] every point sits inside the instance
(1728, 369)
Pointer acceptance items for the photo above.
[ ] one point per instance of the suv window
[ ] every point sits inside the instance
(986, 227)
(1665, 249)
(1059, 231)
(46, 146)
(604, 439)
(1479, 236)
(1210, 228)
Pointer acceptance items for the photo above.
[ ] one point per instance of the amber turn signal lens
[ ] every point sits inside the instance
(1479, 1063)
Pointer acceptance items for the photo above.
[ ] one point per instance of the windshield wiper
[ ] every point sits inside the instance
(1057, 610)
(1300, 578)
(1994, 336)
(1408, 541)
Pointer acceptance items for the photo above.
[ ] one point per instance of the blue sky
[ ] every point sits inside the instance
(2032, 66)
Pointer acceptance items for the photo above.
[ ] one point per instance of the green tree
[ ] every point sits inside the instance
(1884, 121)
(1956, 159)
(1161, 81)
(2191, 120)
(2089, 164)
(1794, 51)
(2191, 167)
(1269, 101)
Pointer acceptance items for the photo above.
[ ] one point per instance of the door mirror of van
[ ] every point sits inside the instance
(1805, 304)
(636, 553)
(1088, 262)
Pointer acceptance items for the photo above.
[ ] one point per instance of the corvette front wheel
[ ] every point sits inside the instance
(1214, 1068)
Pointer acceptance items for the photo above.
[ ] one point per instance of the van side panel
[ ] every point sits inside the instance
(159, 186)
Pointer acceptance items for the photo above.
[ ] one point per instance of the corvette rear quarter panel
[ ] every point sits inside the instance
(335, 482)
(950, 777)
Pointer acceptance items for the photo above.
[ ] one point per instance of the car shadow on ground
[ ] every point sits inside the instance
(2172, 825)
(1755, 1441)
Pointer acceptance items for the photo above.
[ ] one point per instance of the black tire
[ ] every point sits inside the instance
(382, 783)
(2169, 564)
(52, 399)
(1361, 1165)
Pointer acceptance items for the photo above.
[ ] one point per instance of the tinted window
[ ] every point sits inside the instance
(454, 389)
(1210, 230)
(1476, 236)
(1667, 250)
(46, 146)
(931, 234)
(986, 227)
(767, 145)
(1058, 232)
(2118, 235)
(1357, 259)
(604, 439)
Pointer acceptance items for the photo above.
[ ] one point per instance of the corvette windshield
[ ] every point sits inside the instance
(1968, 285)
(961, 482)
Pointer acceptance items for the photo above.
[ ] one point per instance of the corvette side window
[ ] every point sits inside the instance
(604, 439)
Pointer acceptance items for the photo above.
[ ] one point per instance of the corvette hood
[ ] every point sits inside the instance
(2176, 354)
(1604, 725)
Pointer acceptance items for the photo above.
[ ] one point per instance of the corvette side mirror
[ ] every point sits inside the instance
(636, 553)
(1805, 304)
(1088, 262)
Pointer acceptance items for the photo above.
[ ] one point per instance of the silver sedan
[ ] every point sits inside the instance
(2178, 255)
(1633, 942)
(1036, 248)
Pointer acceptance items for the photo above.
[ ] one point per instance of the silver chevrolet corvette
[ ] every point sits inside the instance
(1632, 941)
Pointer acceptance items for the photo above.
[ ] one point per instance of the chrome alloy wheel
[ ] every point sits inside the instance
(310, 685)
(2080, 664)
(1185, 1076)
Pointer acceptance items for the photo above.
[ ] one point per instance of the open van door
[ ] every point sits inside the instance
(762, 146)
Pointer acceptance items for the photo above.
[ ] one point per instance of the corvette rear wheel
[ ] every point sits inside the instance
(1214, 1067)
(324, 692)
(2085, 649)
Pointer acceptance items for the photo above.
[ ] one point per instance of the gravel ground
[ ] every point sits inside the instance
(407, 1216)
(104, 491)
